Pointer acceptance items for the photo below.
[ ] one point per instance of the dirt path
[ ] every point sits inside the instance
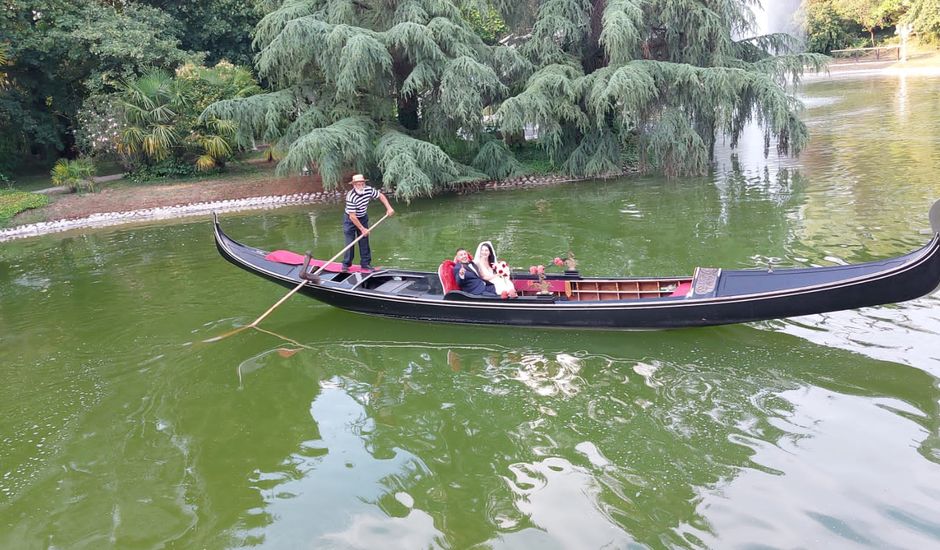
(138, 197)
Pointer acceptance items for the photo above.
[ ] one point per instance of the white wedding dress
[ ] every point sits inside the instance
(502, 283)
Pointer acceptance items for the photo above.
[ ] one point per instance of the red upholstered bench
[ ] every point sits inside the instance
(293, 258)
(682, 290)
(446, 273)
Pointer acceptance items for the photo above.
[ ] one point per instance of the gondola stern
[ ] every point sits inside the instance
(220, 237)
(216, 228)
(223, 242)
(247, 258)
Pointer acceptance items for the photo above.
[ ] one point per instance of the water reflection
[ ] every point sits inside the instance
(901, 98)
(512, 447)
(908, 333)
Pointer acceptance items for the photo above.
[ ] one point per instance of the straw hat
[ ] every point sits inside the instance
(358, 178)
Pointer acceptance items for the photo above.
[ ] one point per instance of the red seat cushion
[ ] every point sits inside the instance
(682, 289)
(285, 257)
(446, 274)
(293, 258)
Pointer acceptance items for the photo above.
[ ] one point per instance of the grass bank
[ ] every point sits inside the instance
(13, 201)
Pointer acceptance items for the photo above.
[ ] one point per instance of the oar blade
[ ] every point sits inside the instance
(226, 335)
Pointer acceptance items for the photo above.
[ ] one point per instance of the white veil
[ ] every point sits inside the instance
(476, 254)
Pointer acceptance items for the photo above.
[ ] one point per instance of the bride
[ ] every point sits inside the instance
(485, 261)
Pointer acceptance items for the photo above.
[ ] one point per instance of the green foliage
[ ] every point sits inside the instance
(77, 174)
(550, 101)
(371, 85)
(466, 87)
(11, 145)
(620, 29)
(283, 115)
(4, 61)
(161, 115)
(532, 159)
(870, 14)
(486, 23)
(169, 168)
(14, 202)
(598, 154)
(496, 161)
(214, 138)
(66, 59)
(418, 167)
(826, 28)
(100, 125)
(392, 84)
(837, 24)
(924, 18)
(116, 45)
(666, 71)
(153, 107)
(347, 142)
(220, 28)
(61, 51)
(674, 146)
(206, 85)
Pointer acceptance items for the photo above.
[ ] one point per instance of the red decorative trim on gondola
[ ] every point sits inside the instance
(554, 285)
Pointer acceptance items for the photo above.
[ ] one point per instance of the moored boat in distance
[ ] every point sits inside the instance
(709, 296)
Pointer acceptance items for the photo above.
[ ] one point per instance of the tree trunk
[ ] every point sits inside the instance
(407, 105)
(408, 112)
(594, 55)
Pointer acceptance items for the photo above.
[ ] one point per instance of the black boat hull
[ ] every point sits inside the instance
(876, 283)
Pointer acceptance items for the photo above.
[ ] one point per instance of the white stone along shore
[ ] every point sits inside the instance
(251, 203)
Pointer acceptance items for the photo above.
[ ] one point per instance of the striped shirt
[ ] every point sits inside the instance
(358, 203)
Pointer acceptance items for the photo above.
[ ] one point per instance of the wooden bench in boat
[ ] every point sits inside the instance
(627, 289)
(610, 289)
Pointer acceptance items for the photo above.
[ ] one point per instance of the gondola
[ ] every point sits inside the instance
(710, 296)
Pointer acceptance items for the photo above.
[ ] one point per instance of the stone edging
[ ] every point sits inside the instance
(522, 181)
(164, 213)
(107, 219)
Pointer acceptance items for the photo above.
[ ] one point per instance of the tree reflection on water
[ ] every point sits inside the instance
(510, 444)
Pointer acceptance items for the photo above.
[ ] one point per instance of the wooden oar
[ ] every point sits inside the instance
(303, 281)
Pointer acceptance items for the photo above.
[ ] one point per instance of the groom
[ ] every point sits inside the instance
(467, 277)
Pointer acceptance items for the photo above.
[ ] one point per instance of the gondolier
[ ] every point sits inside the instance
(356, 220)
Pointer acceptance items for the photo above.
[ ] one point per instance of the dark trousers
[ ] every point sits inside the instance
(350, 231)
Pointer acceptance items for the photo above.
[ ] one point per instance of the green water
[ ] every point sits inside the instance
(120, 427)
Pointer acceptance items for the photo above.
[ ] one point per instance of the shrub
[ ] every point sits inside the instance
(924, 19)
(827, 28)
(100, 123)
(161, 118)
(14, 202)
(76, 174)
(168, 168)
(488, 24)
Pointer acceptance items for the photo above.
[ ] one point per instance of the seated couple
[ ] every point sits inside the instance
(484, 276)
